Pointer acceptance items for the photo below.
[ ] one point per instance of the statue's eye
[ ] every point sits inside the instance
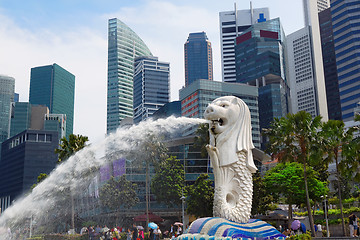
(223, 105)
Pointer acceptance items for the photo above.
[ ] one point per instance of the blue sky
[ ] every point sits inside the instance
(73, 34)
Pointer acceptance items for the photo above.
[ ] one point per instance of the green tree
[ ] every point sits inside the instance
(71, 146)
(66, 150)
(117, 193)
(200, 197)
(168, 182)
(202, 138)
(40, 178)
(262, 201)
(295, 138)
(287, 180)
(335, 137)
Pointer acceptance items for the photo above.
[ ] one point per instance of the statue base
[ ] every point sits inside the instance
(214, 228)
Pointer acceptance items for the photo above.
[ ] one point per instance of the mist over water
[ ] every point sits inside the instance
(50, 198)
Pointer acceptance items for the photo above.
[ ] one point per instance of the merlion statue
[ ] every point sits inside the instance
(230, 152)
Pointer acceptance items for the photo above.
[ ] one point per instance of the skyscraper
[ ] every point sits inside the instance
(7, 89)
(305, 64)
(259, 56)
(54, 87)
(346, 21)
(124, 46)
(198, 58)
(329, 60)
(151, 86)
(233, 23)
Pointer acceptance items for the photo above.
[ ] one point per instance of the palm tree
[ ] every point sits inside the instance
(335, 137)
(293, 139)
(66, 150)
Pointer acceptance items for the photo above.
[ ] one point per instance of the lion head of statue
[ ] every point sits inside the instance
(230, 127)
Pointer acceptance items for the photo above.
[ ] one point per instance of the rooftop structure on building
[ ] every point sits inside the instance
(232, 24)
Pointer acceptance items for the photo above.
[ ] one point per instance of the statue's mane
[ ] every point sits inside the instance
(239, 133)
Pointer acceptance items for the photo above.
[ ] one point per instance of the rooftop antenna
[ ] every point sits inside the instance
(251, 13)
(236, 26)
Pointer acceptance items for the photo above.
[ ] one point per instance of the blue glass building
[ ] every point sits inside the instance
(329, 61)
(23, 157)
(54, 87)
(124, 46)
(346, 22)
(151, 86)
(198, 58)
(259, 57)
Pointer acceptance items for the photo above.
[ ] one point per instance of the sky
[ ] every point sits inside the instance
(73, 34)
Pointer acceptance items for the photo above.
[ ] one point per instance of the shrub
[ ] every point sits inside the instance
(304, 236)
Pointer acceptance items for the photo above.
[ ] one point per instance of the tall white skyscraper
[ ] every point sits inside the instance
(233, 23)
(305, 66)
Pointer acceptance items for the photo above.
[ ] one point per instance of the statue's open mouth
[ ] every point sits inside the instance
(220, 121)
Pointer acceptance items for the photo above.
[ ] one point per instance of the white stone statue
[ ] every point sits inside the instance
(230, 152)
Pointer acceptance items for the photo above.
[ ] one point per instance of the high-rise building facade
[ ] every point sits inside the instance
(198, 58)
(54, 87)
(151, 86)
(260, 62)
(329, 60)
(233, 23)
(20, 117)
(305, 64)
(23, 157)
(123, 46)
(7, 89)
(346, 22)
(196, 97)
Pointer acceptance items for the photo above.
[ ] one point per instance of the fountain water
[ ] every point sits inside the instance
(50, 198)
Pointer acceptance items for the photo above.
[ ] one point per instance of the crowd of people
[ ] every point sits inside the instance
(132, 233)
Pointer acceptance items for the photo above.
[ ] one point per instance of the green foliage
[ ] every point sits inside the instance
(200, 197)
(168, 182)
(69, 147)
(262, 201)
(287, 180)
(88, 223)
(304, 236)
(118, 192)
(40, 178)
(202, 138)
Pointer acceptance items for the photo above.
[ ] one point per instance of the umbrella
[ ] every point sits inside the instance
(105, 229)
(153, 225)
(178, 224)
(295, 225)
(140, 227)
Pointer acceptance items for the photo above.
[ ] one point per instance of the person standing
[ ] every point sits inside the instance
(134, 232)
(157, 233)
(352, 219)
(356, 229)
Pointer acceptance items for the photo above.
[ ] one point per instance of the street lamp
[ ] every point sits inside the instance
(326, 216)
(183, 211)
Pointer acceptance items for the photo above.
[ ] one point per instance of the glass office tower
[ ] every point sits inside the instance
(259, 57)
(346, 21)
(198, 58)
(54, 87)
(123, 46)
(7, 88)
(151, 86)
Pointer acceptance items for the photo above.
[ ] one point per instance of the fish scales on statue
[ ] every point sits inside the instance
(230, 151)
